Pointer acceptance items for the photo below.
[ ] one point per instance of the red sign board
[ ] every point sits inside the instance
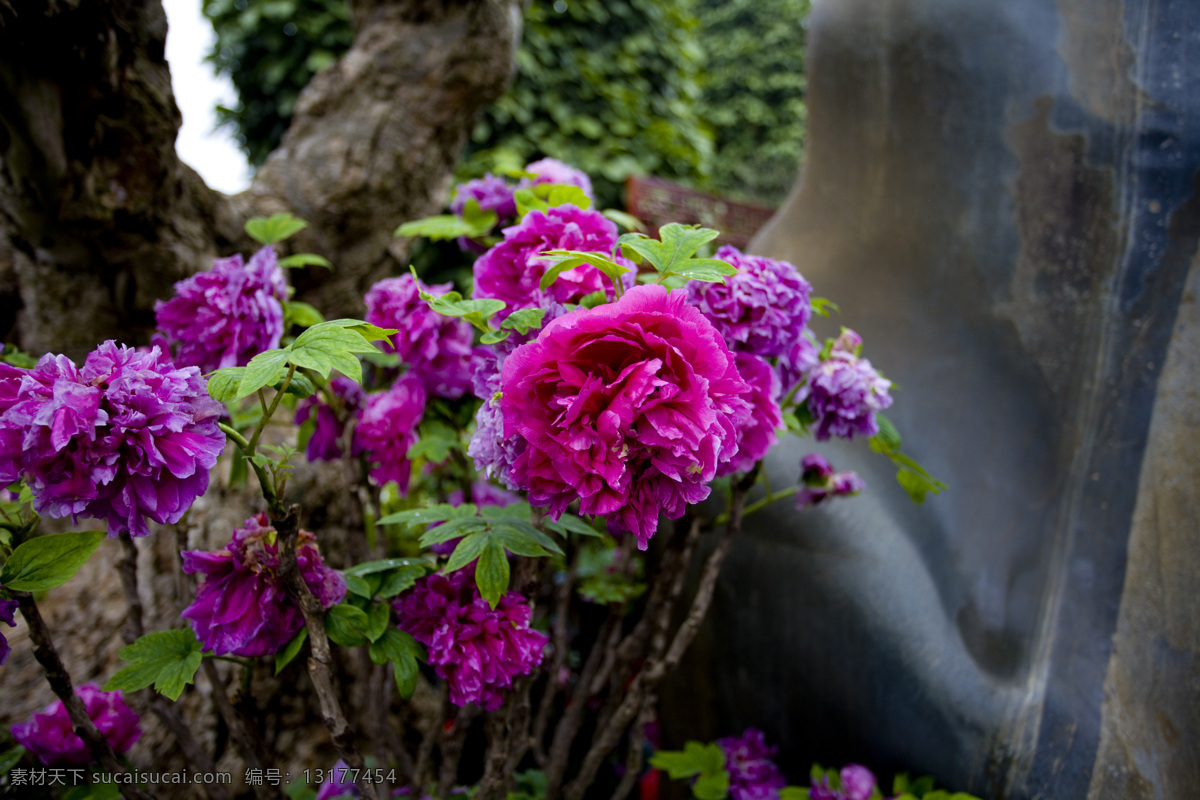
(656, 202)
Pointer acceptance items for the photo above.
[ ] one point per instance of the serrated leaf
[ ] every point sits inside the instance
(302, 314)
(676, 245)
(265, 369)
(346, 625)
(48, 561)
(524, 320)
(377, 620)
(166, 659)
(223, 384)
(329, 346)
(305, 260)
(276, 228)
(492, 572)
(492, 337)
(290, 650)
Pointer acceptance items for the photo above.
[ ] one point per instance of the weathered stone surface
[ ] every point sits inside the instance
(1002, 198)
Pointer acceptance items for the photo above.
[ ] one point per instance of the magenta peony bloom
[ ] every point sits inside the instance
(844, 392)
(476, 649)
(435, 347)
(51, 737)
(763, 309)
(325, 443)
(819, 482)
(227, 315)
(629, 407)
(511, 270)
(387, 427)
(551, 170)
(7, 609)
(242, 607)
(752, 774)
(758, 432)
(492, 194)
(857, 784)
(128, 437)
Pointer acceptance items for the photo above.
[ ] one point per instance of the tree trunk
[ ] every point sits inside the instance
(99, 217)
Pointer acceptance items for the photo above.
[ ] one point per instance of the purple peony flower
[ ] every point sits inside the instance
(763, 309)
(752, 774)
(7, 610)
(227, 315)
(387, 427)
(51, 737)
(629, 408)
(796, 363)
(511, 270)
(492, 194)
(757, 433)
(435, 347)
(857, 784)
(551, 170)
(844, 392)
(494, 454)
(339, 783)
(476, 649)
(819, 482)
(325, 442)
(128, 437)
(241, 607)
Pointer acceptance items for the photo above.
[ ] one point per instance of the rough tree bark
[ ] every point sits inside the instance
(99, 217)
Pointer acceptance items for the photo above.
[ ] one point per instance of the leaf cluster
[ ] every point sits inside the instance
(914, 478)
(48, 561)
(166, 659)
(704, 762)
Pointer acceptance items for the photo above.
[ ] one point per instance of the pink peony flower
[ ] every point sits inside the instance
(511, 270)
(752, 773)
(629, 407)
(857, 784)
(819, 482)
(476, 649)
(492, 194)
(51, 737)
(436, 348)
(758, 432)
(242, 607)
(763, 309)
(387, 428)
(128, 437)
(227, 315)
(551, 170)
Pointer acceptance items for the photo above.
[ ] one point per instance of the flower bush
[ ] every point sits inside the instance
(610, 382)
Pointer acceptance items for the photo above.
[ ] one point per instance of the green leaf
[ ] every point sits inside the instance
(481, 221)
(305, 260)
(92, 791)
(475, 222)
(710, 270)
(302, 314)
(528, 201)
(276, 228)
(395, 645)
(401, 579)
(677, 243)
(10, 758)
(921, 786)
(377, 620)
(452, 529)
(713, 786)
(492, 572)
(358, 586)
(517, 527)
(290, 650)
(48, 561)
(524, 320)
(492, 337)
(265, 369)
(465, 552)
(888, 436)
(405, 673)
(694, 759)
(436, 442)
(346, 625)
(424, 516)
(385, 564)
(597, 298)
(223, 384)
(823, 307)
(627, 221)
(166, 659)
(369, 331)
(794, 793)
(565, 194)
(610, 588)
(563, 260)
(329, 346)
(520, 509)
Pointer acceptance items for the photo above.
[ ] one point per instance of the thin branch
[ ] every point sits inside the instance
(196, 755)
(270, 412)
(320, 659)
(422, 769)
(452, 745)
(248, 745)
(635, 753)
(60, 681)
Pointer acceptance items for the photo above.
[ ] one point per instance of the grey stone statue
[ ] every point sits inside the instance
(1002, 196)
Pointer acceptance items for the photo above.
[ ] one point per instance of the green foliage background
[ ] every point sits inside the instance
(706, 92)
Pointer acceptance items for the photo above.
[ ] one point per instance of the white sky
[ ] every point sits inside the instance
(211, 152)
